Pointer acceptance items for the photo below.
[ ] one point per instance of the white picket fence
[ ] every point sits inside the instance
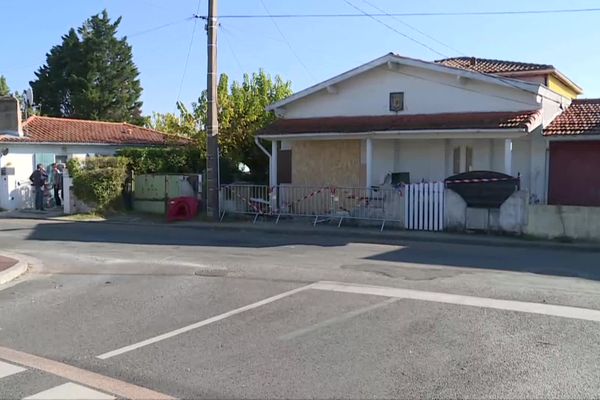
(424, 210)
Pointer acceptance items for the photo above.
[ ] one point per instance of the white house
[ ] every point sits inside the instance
(46, 140)
(427, 120)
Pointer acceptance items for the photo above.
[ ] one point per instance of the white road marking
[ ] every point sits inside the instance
(70, 391)
(9, 369)
(508, 305)
(200, 324)
(338, 319)
(87, 378)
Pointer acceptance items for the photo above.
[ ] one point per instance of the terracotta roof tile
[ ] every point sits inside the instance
(478, 120)
(490, 66)
(581, 118)
(63, 130)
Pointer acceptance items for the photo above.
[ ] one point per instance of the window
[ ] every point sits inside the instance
(396, 101)
(460, 164)
(468, 159)
(456, 161)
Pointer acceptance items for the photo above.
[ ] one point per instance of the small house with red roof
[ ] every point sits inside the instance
(427, 121)
(47, 140)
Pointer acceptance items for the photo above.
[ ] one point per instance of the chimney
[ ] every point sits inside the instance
(10, 116)
(473, 61)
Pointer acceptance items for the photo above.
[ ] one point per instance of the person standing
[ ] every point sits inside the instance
(38, 180)
(57, 183)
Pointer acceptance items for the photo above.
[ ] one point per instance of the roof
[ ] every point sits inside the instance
(476, 120)
(62, 130)
(392, 59)
(506, 68)
(491, 66)
(581, 118)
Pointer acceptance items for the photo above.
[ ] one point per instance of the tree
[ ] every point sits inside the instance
(4, 89)
(90, 75)
(242, 113)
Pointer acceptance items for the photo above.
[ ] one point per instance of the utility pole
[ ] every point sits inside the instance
(212, 129)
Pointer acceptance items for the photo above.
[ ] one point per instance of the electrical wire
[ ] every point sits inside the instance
(395, 30)
(156, 28)
(414, 28)
(229, 45)
(289, 45)
(418, 14)
(187, 57)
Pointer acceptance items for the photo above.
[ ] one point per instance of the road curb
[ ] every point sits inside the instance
(376, 236)
(16, 270)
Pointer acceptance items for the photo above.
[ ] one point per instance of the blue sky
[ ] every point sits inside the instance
(321, 47)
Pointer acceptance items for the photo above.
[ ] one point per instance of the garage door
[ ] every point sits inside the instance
(575, 173)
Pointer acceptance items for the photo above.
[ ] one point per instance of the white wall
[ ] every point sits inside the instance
(425, 92)
(423, 159)
(432, 160)
(521, 160)
(383, 159)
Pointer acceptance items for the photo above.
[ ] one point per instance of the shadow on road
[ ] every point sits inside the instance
(551, 262)
(175, 236)
(538, 261)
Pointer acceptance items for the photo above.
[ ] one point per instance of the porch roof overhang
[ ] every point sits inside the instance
(424, 126)
(407, 134)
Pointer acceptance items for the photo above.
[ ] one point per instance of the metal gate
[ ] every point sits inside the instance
(424, 207)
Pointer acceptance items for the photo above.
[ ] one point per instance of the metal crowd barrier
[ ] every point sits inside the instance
(321, 203)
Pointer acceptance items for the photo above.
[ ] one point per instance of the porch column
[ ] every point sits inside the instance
(369, 161)
(273, 164)
(508, 157)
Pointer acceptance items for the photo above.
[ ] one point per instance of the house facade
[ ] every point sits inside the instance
(423, 121)
(47, 140)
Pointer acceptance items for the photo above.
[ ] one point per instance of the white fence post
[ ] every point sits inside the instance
(424, 206)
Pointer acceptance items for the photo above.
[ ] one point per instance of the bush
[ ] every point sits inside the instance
(99, 181)
(173, 160)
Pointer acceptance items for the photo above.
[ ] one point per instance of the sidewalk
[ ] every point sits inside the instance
(370, 234)
(11, 267)
(389, 234)
(6, 263)
(33, 214)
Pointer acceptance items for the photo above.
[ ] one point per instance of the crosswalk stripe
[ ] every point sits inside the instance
(68, 391)
(7, 369)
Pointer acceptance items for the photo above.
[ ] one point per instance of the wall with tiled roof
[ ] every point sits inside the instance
(62, 130)
(491, 66)
(581, 118)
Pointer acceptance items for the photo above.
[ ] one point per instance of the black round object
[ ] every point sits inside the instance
(483, 189)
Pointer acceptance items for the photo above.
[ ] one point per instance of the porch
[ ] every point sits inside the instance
(375, 161)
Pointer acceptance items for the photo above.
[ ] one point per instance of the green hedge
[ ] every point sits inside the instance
(173, 160)
(99, 181)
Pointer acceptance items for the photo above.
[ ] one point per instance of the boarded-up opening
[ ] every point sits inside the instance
(284, 166)
(574, 173)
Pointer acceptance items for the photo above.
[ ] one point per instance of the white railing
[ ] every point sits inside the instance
(321, 203)
(424, 208)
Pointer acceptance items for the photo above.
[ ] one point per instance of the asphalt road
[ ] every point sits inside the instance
(220, 314)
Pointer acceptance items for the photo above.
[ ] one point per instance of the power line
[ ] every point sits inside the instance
(156, 28)
(187, 57)
(235, 57)
(413, 28)
(287, 42)
(416, 14)
(395, 30)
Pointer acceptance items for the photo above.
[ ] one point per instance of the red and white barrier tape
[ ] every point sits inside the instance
(480, 180)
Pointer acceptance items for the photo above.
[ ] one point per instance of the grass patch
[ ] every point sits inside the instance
(84, 217)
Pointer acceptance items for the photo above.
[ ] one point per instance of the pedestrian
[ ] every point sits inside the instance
(57, 183)
(38, 180)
